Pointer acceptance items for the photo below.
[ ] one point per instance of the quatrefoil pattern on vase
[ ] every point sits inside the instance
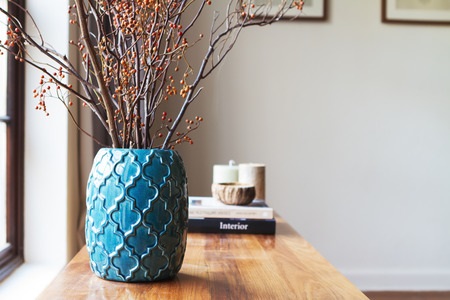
(137, 212)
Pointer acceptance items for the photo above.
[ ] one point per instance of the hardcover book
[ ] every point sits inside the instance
(226, 225)
(208, 207)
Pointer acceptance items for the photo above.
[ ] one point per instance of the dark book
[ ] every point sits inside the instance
(227, 225)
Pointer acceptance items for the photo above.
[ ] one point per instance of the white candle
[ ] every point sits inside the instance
(225, 173)
(254, 174)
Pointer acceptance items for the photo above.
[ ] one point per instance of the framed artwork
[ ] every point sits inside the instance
(416, 11)
(315, 10)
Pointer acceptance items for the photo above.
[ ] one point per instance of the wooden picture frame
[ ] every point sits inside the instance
(313, 10)
(416, 11)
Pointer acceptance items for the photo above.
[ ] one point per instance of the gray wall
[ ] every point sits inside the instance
(352, 118)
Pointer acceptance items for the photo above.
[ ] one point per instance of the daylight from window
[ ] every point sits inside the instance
(3, 62)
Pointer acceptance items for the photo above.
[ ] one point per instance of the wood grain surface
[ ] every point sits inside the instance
(222, 266)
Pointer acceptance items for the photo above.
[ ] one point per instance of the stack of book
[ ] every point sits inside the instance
(209, 215)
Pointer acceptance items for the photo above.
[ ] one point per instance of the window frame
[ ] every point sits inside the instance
(12, 255)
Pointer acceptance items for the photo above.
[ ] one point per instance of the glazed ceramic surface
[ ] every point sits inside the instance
(137, 212)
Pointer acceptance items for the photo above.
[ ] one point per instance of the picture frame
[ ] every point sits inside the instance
(313, 10)
(416, 11)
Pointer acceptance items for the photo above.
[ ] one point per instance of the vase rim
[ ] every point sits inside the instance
(137, 149)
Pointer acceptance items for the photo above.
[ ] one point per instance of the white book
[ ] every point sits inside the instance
(209, 207)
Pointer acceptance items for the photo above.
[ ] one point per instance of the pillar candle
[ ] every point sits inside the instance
(254, 174)
(225, 173)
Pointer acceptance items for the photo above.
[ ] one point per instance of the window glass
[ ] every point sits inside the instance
(11, 154)
(2, 185)
(2, 63)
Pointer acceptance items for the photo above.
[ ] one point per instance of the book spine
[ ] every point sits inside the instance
(226, 225)
(196, 212)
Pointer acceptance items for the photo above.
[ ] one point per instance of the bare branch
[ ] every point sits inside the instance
(134, 60)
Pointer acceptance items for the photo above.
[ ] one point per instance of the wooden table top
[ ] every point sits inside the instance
(222, 266)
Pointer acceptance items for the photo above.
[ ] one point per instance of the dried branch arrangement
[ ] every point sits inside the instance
(134, 59)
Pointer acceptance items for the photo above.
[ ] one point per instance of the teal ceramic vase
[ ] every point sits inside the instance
(137, 213)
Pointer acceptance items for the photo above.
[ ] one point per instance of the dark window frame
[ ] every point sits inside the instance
(12, 255)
